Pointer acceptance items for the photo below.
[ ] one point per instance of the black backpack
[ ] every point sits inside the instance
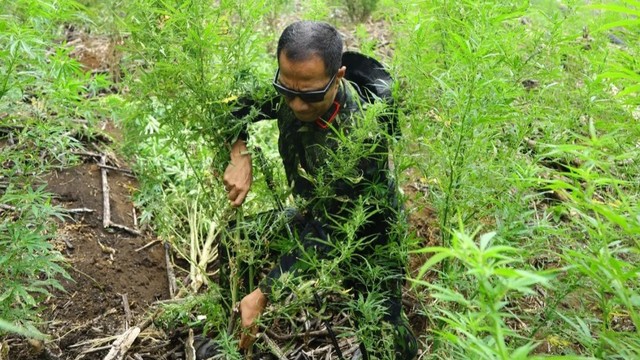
(374, 83)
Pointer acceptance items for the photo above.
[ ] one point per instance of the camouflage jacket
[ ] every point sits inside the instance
(330, 164)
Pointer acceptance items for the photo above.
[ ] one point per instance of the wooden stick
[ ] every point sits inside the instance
(148, 245)
(127, 311)
(106, 208)
(170, 274)
(7, 207)
(109, 167)
(122, 344)
(135, 216)
(96, 349)
(190, 351)
(123, 228)
(87, 325)
(77, 210)
(67, 211)
(94, 342)
(156, 347)
(87, 154)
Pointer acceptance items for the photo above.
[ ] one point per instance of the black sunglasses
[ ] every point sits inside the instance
(306, 96)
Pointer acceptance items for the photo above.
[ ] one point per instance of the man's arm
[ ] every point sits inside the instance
(238, 175)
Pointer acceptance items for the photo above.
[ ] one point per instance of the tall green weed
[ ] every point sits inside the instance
(188, 62)
(489, 284)
(43, 92)
(514, 122)
(29, 265)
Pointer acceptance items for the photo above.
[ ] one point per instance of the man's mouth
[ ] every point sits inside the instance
(305, 116)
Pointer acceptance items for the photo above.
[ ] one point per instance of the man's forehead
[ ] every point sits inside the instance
(311, 58)
(310, 69)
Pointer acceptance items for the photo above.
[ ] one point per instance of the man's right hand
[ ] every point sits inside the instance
(251, 307)
(238, 175)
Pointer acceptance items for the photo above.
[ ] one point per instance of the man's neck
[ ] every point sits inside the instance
(331, 113)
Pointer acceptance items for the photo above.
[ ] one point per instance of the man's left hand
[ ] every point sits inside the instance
(238, 175)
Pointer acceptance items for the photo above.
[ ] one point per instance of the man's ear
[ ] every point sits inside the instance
(341, 72)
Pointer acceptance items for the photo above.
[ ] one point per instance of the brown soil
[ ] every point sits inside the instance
(106, 265)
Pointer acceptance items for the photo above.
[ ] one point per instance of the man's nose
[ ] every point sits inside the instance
(296, 104)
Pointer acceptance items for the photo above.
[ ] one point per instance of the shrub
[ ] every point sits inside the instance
(360, 10)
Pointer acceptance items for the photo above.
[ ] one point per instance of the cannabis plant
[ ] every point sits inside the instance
(41, 90)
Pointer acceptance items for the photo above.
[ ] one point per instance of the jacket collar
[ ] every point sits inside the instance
(328, 117)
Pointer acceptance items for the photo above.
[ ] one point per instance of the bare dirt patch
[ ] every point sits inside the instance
(109, 270)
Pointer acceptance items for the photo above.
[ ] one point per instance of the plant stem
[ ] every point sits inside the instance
(457, 161)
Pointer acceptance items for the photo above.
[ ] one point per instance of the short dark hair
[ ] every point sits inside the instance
(303, 39)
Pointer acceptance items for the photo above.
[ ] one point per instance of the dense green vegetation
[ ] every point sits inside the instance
(521, 128)
(46, 103)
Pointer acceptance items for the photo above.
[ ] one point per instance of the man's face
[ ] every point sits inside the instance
(307, 75)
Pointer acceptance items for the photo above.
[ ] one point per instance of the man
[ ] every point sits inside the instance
(316, 105)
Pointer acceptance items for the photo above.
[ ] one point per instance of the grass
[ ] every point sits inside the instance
(521, 118)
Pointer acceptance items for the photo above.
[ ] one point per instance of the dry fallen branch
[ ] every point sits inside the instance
(127, 311)
(170, 274)
(87, 325)
(135, 216)
(147, 245)
(95, 343)
(125, 228)
(87, 154)
(122, 170)
(77, 210)
(4, 207)
(62, 210)
(190, 351)
(106, 208)
(95, 349)
(122, 344)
